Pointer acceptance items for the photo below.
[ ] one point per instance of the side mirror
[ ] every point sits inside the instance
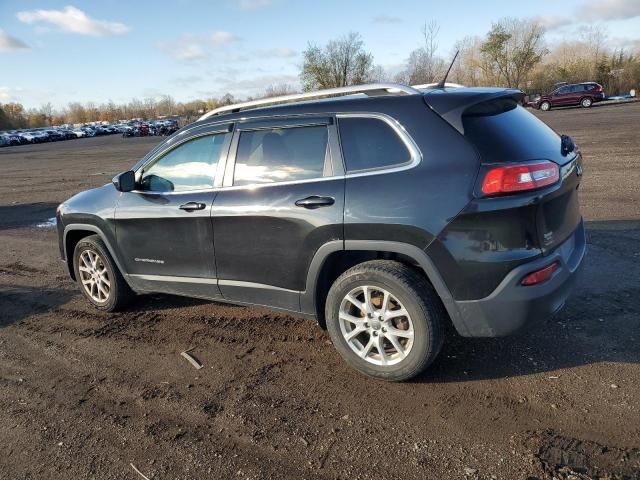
(125, 181)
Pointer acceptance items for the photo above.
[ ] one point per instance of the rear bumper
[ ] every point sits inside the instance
(512, 305)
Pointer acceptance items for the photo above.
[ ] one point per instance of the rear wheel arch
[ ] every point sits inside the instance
(586, 104)
(332, 260)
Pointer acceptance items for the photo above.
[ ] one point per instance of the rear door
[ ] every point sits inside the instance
(163, 228)
(283, 198)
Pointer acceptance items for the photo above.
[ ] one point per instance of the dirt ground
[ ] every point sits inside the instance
(85, 394)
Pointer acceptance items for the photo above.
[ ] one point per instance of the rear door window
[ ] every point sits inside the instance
(371, 143)
(281, 155)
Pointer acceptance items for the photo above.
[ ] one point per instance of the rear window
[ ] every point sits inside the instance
(370, 143)
(503, 131)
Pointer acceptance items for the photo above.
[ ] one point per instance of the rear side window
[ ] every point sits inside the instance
(369, 143)
(281, 155)
(503, 131)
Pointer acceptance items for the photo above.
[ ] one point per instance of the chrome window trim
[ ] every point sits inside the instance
(415, 155)
(228, 162)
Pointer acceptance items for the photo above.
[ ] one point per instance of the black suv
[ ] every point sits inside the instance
(383, 215)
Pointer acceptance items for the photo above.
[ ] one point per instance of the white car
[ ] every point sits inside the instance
(30, 137)
(79, 133)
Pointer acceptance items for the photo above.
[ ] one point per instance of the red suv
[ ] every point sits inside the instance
(584, 94)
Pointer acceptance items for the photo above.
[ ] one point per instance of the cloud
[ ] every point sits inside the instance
(591, 11)
(626, 43)
(552, 22)
(219, 39)
(73, 20)
(280, 52)
(254, 4)
(187, 80)
(609, 9)
(389, 19)
(29, 97)
(192, 47)
(11, 44)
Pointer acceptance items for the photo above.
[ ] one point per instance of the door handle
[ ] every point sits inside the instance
(191, 206)
(315, 202)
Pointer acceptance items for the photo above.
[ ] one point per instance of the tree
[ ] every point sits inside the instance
(5, 121)
(278, 90)
(340, 63)
(423, 65)
(512, 49)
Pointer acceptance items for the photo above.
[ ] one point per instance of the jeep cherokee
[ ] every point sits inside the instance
(384, 214)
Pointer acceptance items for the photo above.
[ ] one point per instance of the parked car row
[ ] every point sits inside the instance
(145, 129)
(54, 134)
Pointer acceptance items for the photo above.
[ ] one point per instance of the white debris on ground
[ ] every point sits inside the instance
(47, 223)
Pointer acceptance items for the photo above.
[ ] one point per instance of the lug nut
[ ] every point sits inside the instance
(375, 334)
(366, 324)
(384, 329)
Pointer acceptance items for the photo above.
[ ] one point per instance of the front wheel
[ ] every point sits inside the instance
(98, 276)
(586, 102)
(385, 320)
(545, 106)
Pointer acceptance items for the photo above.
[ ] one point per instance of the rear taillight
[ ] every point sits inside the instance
(542, 275)
(520, 177)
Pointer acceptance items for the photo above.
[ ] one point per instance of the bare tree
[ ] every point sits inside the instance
(278, 90)
(423, 64)
(340, 63)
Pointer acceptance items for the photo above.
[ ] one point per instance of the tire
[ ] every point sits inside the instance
(586, 102)
(545, 106)
(406, 290)
(118, 293)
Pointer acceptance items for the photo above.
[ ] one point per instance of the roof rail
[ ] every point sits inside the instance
(373, 89)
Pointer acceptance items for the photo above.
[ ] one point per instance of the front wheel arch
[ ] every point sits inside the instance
(74, 233)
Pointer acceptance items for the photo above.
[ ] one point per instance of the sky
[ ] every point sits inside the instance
(75, 50)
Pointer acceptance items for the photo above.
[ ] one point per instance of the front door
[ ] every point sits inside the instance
(284, 200)
(163, 228)
(561, 96)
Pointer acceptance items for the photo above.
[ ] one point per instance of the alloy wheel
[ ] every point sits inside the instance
(94, 276)
(375, 325)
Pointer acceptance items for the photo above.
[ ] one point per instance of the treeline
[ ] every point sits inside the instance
(514, 53)
(14, 115)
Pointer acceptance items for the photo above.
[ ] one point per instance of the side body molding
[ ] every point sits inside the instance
(307, 298)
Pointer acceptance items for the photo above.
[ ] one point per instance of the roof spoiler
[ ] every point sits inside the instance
(451, 105)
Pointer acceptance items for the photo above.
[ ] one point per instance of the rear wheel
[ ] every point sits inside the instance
(545, 106)
(98, 276)
(586, 102)
(385, 320)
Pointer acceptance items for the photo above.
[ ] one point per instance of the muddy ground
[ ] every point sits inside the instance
(85, 394)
